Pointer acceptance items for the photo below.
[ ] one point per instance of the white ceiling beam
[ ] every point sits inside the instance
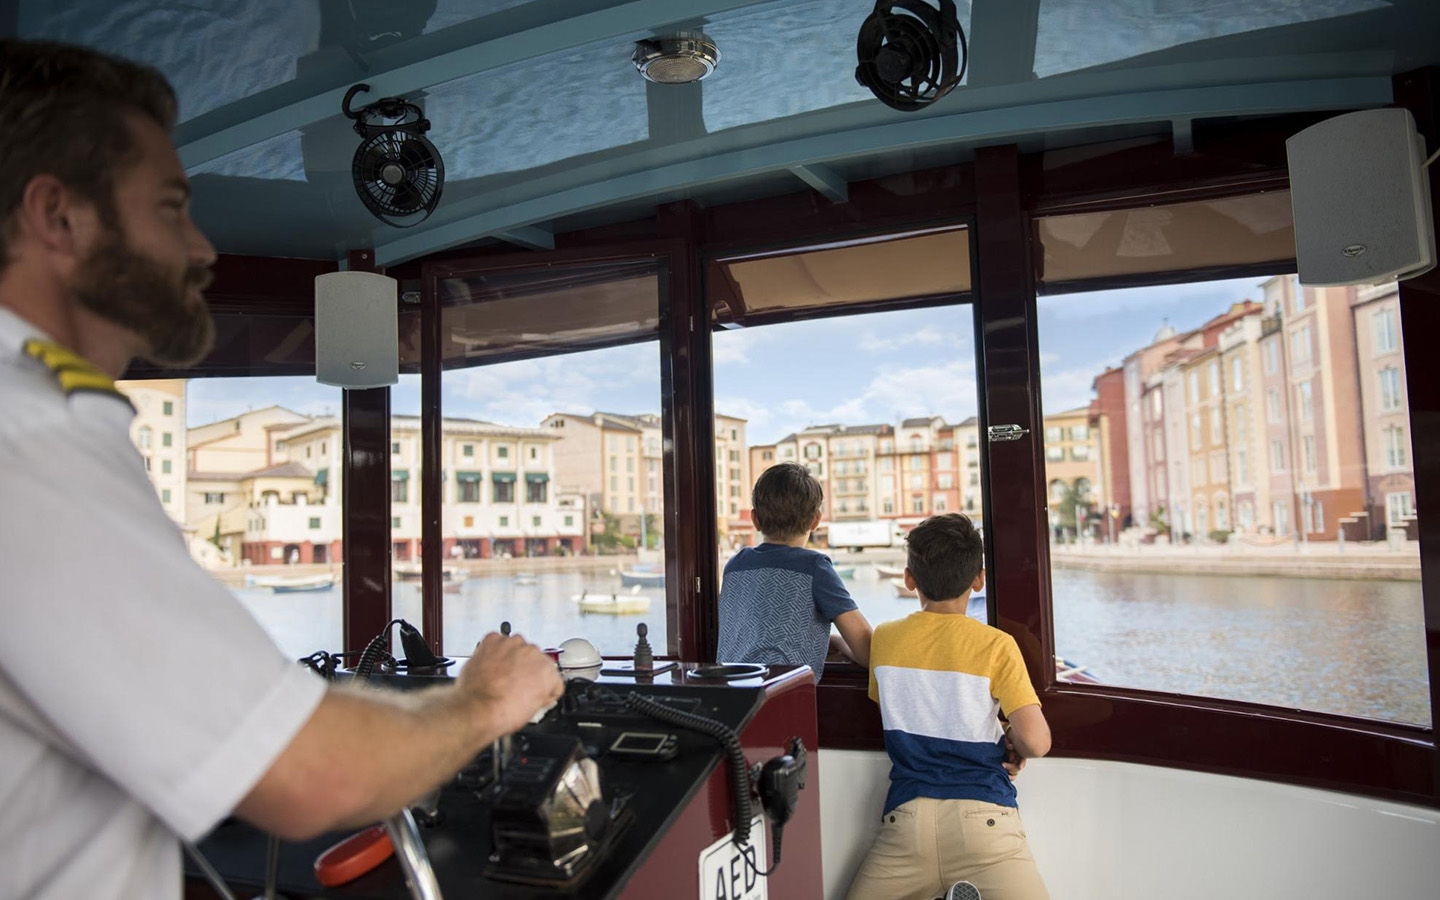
(531, 237)
(824, 180)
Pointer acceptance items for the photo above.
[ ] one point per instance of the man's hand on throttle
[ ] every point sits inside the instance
(513, 679)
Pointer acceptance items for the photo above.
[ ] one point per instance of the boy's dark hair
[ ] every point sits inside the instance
(64, 110)
(785, 501)
(945, 554)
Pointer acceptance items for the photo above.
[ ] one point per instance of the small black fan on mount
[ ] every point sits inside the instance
(910, 53)
(398, 173)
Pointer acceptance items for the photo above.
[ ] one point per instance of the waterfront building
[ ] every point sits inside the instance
(1071, 469)
(1139, 367)
(1205, 442)
(1385, 411)
(1244, 419)
(967, 449)
(158, 432)
(1110, 416)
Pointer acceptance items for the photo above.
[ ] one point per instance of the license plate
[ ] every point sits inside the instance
(724, 874)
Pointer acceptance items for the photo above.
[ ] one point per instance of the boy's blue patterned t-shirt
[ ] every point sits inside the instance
(776, 606)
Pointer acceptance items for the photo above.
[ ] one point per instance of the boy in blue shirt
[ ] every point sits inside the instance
(942, 679)
(778, 600)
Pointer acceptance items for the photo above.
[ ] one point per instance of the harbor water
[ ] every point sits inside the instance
(1349, 647)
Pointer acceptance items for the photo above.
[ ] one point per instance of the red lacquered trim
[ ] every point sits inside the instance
(353, 857)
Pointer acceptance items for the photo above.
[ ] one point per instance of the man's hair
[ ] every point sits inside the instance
(63, 112)
(785, 501)
(945, 554)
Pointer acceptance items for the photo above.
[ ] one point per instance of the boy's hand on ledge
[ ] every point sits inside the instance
(838, 650)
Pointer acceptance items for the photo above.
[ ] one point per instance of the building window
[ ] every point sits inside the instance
(940, 503)
(1272, 405)
(468, 487)
(165, 496)
(1304, 398)
(470, 520)
(1396, 454)
(504, 521)
(945, 482)
(1300, 346)
(767, 455)
(165, 439)
(1197, 434)
(1390, 389)
(1080, 433)
(322, 448)
(1387, 333)
(1054, 434)
(888, 506)
(145, 437)
(502, 452)
(467, 449)
(399, 490)
(534, 452)
(535, 521)
(629, 463)
(1307, 449)
(1272, 357)
(535, 490)
(1194, 383)
(917, 504)
(1277, 456)
(1214, 377)
(1080, 452)
(1398, 508)
(569, 521)
(504, 488)
(167, 408)
(212, 499)
(1237, 374)
(394, 448)
(164, 467)
(1054, 454)
(614, 484)
(1242, 466)
(315, 523)
(812, 451)
(1216, 435)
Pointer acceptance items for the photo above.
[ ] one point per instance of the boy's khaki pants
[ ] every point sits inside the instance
(926, 845)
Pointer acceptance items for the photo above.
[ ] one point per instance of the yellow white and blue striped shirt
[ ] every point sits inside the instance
(941, 680)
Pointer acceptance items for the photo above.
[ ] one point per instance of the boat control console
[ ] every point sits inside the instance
(624, 789)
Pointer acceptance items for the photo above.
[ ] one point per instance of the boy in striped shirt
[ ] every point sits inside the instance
(941, 679)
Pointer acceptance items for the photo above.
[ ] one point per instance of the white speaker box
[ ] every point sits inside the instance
(1361, 199)
(357, 333)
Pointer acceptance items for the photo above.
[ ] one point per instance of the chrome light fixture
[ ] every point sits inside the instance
(680, 59)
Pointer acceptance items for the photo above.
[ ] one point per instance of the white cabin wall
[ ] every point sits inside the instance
(1119, 831)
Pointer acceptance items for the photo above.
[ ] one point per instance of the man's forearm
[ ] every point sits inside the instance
(364, 755)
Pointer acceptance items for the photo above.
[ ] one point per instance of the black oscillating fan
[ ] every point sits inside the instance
(398, 173)
(910, 53)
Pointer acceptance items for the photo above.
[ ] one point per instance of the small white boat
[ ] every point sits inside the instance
(300, 584)
(613, 604)
(638, 578)
(526, 578)
(407, 571)
(902, 591)
(890, 571)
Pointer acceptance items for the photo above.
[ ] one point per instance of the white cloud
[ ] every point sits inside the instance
(872, 343)
(1204, 298)
(524, 392)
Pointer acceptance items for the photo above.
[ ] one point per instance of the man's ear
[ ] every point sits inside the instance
(909, 580)
(49, 215)
(820, 514)
(979, 583)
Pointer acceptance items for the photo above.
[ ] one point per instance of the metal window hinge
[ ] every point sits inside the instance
(1007, 433)
(697, 584)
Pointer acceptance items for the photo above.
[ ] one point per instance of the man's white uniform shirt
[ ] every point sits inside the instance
(138, 699)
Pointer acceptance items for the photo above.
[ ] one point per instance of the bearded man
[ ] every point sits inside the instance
(138, 699)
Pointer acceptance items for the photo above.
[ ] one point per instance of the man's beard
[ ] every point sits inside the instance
(133, 291)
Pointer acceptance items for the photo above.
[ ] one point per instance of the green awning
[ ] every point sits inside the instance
(536, 477)
(322, 477)
(468, 477)
(504, 477)
(400, 475)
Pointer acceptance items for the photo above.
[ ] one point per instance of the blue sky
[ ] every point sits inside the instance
(854, 370)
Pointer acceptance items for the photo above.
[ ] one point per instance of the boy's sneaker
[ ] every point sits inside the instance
(962, 890)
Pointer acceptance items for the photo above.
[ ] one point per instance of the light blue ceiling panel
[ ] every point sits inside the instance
(214, 53)
(539, 111)
(277, 159)
(1078, 34)
(787, 58)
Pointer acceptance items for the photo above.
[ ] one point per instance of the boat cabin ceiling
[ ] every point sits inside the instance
(1091, 237)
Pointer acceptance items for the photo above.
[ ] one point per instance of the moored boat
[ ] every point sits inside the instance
(638, 578)
(303, 584)
(613, 604)
(890, 571)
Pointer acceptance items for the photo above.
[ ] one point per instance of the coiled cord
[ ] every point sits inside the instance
(370, 656)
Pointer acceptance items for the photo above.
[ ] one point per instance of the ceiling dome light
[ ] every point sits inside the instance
(686, 57)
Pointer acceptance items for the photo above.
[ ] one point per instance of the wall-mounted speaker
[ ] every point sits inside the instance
(1361, 199)
(357, 333)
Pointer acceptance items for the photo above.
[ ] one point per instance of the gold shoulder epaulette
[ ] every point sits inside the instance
(73, 371)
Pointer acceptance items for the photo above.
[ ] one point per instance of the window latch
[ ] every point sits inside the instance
(999, 433)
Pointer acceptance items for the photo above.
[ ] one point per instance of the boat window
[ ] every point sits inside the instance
(253, 482)
(544, 373)
(1249, 538)
(834, 394)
